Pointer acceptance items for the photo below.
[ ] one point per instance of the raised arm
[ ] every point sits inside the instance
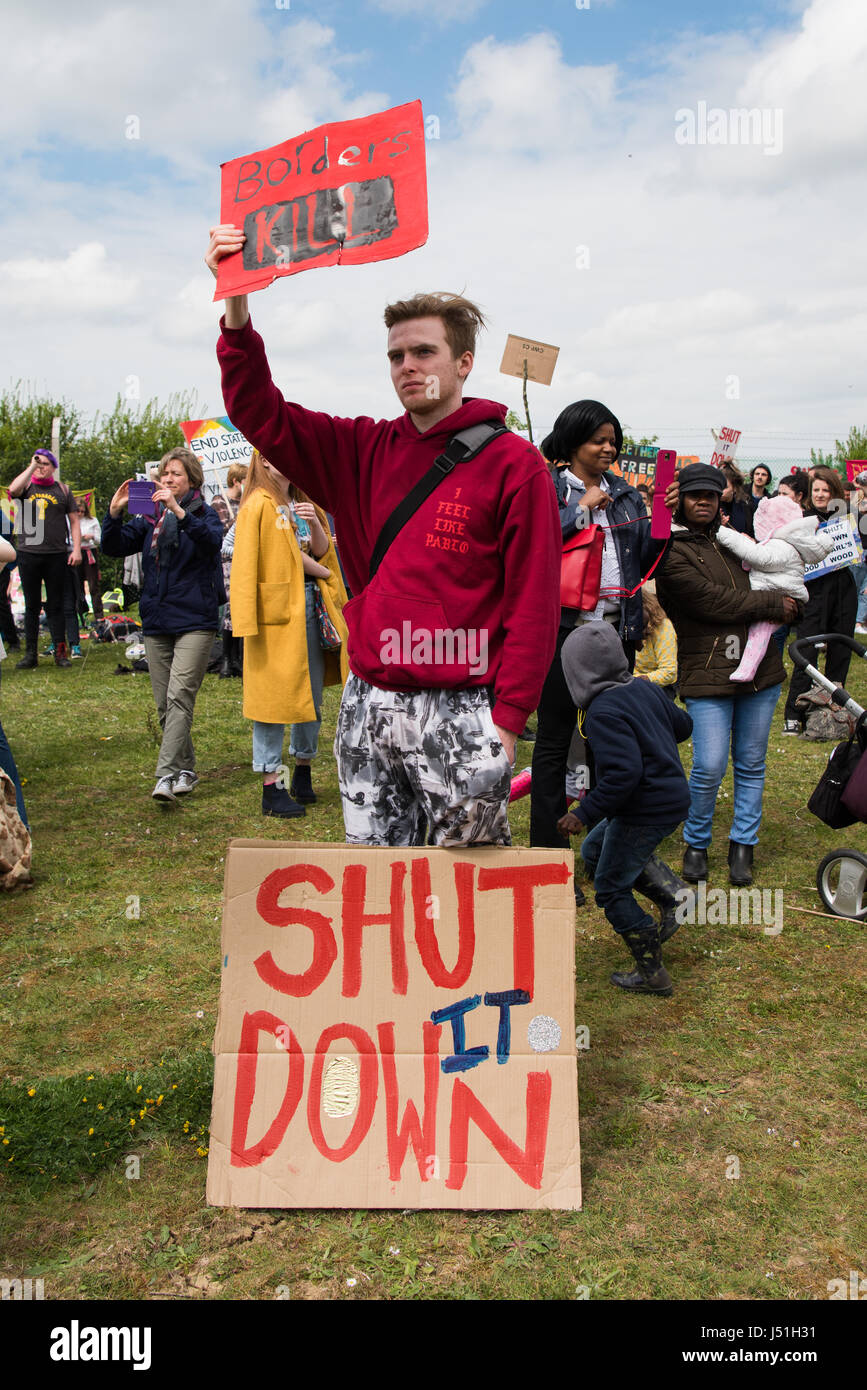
(19, 484)
(317, 451)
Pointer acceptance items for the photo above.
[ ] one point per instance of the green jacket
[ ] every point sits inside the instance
(706, 593)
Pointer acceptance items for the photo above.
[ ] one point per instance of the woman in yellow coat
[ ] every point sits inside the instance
(279, 539)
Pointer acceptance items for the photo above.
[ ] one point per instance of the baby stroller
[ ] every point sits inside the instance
(841, 877)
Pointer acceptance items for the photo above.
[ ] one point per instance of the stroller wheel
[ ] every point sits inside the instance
(841, 879)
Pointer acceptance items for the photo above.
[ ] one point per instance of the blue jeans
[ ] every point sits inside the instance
(860, 573)
(742, 723)
(304, 740)
(7, 762)
(615, 851)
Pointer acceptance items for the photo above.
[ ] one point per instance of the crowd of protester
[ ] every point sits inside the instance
(425, 751)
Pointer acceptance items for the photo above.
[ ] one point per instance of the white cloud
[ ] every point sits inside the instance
(704, 262)
(84, 282)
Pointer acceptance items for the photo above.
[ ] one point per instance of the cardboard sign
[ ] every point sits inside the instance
(541, 359)
(726, 441)
(345, 193)
(847, 548)
(396, 1029)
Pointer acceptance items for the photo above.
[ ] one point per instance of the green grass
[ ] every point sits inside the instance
(758, 1057)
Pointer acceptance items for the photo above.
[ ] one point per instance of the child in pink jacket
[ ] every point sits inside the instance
(786, 542)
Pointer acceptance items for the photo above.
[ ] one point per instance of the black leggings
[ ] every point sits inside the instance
(33, 569)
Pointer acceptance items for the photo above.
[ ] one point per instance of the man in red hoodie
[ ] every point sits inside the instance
(451, 637)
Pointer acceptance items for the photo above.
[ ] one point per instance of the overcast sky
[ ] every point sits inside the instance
(688, 285)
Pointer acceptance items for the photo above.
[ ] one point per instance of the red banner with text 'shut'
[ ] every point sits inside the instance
(342, 194)
(396, 1029)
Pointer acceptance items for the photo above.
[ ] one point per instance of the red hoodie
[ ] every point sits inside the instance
(480, 559)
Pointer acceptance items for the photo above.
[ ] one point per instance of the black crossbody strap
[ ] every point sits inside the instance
(462, 447)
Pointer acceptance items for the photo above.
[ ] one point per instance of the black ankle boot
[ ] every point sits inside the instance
(30, 658)
(694, 864)
(740, 864)
(237, 656)
(650, 975)
(225, 671)
(667, 891)
(301, 786)
(276, 801)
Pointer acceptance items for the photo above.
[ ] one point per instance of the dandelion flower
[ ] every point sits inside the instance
(32, 1091)
(89, 1132)
(90, 1078)
(5, 1141)
(132, 1124)
(100, 1106)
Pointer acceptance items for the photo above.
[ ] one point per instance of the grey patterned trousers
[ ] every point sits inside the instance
(419, 764)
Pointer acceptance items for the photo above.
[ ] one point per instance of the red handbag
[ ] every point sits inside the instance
(581, 568)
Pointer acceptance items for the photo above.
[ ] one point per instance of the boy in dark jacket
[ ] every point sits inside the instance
(641, 794)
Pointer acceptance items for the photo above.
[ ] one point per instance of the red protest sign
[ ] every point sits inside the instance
(342, 194)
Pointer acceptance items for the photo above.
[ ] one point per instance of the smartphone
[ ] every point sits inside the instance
(140, 501)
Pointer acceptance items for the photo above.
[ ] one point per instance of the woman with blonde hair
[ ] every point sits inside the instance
(286, 605)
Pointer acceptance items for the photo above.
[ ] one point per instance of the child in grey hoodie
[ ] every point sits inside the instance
(641, 794)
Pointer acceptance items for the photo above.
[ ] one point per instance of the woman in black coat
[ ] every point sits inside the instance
(583, 446)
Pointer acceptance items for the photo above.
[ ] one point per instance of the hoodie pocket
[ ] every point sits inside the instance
(404, 643)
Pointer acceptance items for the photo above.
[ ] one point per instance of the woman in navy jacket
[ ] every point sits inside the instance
(584, 444)
(182, 589)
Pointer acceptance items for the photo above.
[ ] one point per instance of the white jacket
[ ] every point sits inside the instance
(779, 563)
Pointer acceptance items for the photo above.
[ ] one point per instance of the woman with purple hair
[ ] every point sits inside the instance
(42, 551)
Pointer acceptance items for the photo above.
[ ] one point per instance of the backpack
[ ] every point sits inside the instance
(15, 844)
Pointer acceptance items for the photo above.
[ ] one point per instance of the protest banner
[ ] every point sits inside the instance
(342, 194)
(217, 445)
(847, 547)
(683, 460)
(726, 441)
(854, 467)
(637, 465)
(396, 1029)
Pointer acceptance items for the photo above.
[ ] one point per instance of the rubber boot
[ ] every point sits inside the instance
(666, 890)
(29, 659)
(276, 801)
(650, 975)
(225, 671)
(694, 864)
(740, 864)
(61, 655)
(301, 786)
(237, 656)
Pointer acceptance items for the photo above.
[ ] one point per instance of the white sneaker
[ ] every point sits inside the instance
(163, 791)
(184, 783)
(862, 631)
(791, 726)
